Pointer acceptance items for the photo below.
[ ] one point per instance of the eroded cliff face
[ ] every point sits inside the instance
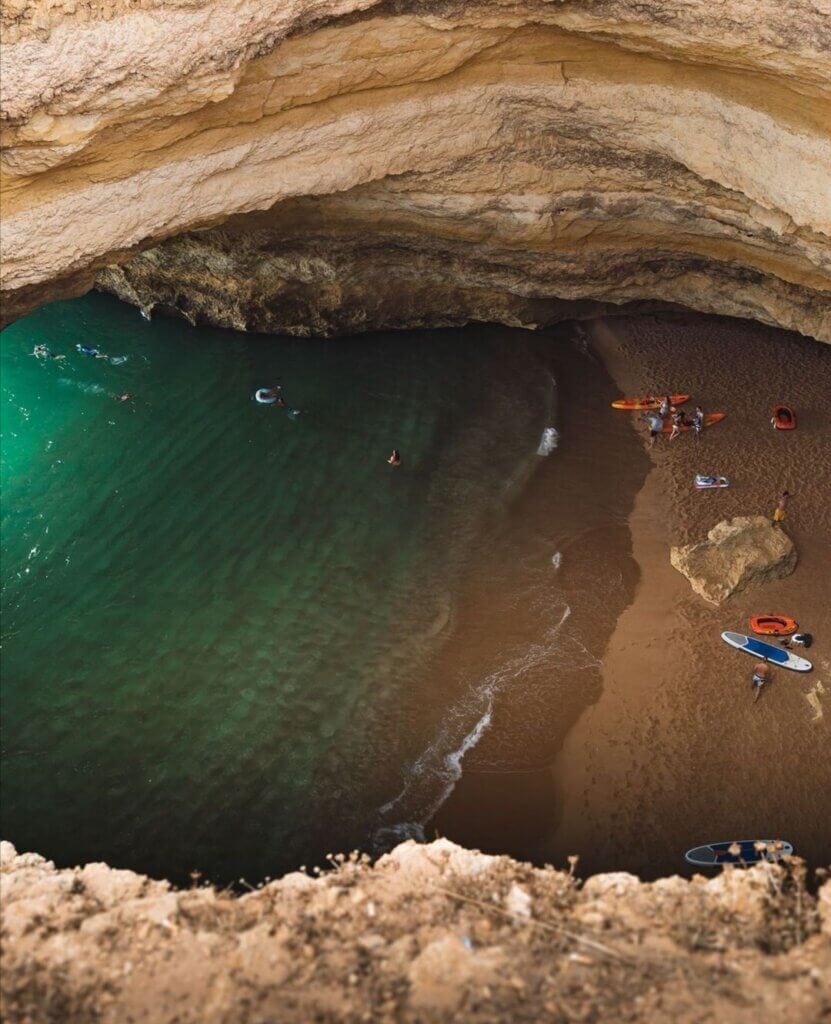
(318, 166)
(430, 933)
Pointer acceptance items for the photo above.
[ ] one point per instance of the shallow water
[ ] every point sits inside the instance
(226, 628)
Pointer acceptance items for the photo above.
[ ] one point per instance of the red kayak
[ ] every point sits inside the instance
(783, 417)
(710, 420)
(647, 402)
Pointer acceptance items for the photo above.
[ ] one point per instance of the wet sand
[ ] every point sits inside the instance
(674, 753)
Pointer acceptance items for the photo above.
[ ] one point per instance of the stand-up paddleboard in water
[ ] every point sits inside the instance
(773, 625)
(762, 649)
(739, 851)
(647, 402)
(710, 420)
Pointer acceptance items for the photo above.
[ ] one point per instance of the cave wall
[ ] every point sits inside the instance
(321, 167)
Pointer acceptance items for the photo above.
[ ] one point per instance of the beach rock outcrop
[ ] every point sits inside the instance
(428, 933)
(738, 553)
(326, 166)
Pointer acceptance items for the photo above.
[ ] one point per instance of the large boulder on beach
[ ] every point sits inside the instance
(737, 554)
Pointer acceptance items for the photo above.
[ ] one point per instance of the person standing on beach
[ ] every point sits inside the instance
(779, 512)
(656, 425)
(760, 677)
(678, 420)
(666, 407)
(698, 422)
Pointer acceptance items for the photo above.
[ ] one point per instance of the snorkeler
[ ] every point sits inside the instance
(44, 352)
(89, 350)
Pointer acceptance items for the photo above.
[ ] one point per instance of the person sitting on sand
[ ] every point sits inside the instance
(395, 458)
(779, 512)
(760, 677)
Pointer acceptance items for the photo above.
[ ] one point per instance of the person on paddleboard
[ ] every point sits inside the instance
(760, 677)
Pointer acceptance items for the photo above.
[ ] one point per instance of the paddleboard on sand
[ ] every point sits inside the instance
(707, 483)
(647, 402)
(739, 851)
(762, 649)
(710, 420)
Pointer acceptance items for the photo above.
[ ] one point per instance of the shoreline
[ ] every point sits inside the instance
(667, 756)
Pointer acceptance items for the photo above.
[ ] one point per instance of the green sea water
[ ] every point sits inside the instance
(215, 612)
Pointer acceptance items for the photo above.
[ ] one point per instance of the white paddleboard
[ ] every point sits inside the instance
(761, 649)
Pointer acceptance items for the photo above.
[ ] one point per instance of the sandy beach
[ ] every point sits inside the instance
(675, 752)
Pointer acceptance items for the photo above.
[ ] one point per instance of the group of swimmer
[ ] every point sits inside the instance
(42, 351)
(656, 418)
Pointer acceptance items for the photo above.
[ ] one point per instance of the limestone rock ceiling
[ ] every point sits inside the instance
(320, 166)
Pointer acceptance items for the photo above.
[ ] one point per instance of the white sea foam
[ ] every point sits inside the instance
(434, 775)
(549, 441)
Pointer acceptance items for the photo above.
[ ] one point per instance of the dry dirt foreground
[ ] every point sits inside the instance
(430, 933)
(364, 165)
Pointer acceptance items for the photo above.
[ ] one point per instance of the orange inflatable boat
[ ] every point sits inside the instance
(647, 402)
(710, 420)
(773, 625)
(783, 417)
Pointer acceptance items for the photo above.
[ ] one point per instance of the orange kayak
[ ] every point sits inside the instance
(773, 625)
(710, 420)
(647, 402)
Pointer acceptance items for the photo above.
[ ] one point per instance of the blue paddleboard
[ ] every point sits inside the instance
(739, 851)
(761, 649)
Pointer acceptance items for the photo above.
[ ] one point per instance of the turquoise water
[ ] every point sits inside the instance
(214, 612)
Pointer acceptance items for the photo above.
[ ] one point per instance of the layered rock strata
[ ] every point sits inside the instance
(738, 554)
(319, 166)
(431, 933)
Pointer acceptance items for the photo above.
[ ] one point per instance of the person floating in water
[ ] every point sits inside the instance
(44, 352)
(125, 396)
(395, 458)
(779, 512)
(760, 677)
(89, 350)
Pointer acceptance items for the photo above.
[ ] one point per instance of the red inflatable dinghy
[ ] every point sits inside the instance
(773, 625)
(783, 417)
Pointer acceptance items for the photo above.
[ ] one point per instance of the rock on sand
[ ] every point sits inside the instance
(737, 554)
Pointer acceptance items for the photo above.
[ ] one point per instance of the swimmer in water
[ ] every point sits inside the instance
(88, 350)
(123, 397)
(44, 352)
(395, 458)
